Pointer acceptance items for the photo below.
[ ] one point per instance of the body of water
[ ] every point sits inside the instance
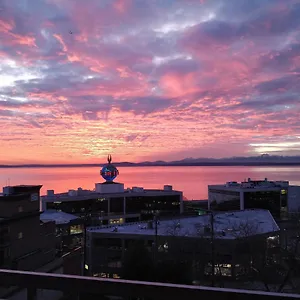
(193, 181)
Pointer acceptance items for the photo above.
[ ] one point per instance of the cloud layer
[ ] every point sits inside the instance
(148, 79)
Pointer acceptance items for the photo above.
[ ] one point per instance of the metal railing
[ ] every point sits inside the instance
(79, 285)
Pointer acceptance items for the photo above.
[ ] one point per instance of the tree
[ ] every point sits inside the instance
(138, 263)
(265, 262)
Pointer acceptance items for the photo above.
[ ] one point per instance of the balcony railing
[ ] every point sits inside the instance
(82, 286)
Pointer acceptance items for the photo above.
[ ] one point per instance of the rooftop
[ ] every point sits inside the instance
(81, 194)
(58, 217)
(227, 225)
(19, 189)
(251, 184)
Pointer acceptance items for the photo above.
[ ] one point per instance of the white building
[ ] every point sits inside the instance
(276, 196)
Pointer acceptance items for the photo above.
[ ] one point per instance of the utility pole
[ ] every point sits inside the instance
(155, 238)
(212, 244)
(212, 236)
(84, 244)
(155, 242)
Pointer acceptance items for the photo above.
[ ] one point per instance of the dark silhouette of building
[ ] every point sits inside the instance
(26, 243)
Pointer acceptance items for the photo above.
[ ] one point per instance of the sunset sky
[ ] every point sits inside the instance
(148, 79)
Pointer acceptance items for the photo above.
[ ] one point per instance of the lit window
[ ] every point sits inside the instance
(283, 192)
(76, 229)
(86, 266)
(20, 235)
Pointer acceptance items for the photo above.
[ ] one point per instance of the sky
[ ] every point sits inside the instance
(148, 79)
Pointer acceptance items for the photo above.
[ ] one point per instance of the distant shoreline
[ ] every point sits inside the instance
(198, 164)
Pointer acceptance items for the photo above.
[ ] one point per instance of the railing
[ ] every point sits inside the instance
(79, 285)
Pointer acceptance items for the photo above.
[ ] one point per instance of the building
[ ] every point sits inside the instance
(195, 207)
(294, 199)
(275, 196)
(110, 203)
(191, 236)
(25, 242)
(69, 229)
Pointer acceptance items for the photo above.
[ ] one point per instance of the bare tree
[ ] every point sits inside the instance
(253, 248)
(244, 229)
(173, 228)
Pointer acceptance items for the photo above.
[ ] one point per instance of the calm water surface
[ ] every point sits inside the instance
(192, 181)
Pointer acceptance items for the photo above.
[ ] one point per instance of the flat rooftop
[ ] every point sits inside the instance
(58, 217)
(88, 194)
(251, 184)
(227, 225)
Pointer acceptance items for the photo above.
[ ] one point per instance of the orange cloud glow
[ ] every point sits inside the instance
(147, 80)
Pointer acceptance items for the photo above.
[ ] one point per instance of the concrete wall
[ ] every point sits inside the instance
(109, 188)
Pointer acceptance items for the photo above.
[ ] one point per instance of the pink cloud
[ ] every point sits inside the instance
(147, 79)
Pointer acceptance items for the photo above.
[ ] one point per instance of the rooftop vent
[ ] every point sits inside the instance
(8, 190)
(168, 187)
(72, 193)
(50, 193)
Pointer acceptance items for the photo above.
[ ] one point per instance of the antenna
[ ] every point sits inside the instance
(8, 181)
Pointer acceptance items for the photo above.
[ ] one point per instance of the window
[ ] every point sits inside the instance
(76, 229)
(20, 209)
(20, 235)
(220, 269)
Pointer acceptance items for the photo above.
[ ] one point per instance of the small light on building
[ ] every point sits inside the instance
(86, 266)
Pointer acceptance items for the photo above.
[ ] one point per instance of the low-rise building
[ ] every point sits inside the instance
(278, 197)
(116, 207)
(69, 229)
(191, 237)
(195, 207)
(110, 203)
(25, 242)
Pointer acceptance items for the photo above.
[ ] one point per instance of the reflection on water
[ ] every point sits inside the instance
(192, 181)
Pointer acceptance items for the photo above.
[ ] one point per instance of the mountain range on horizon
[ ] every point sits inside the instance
(264, 159)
